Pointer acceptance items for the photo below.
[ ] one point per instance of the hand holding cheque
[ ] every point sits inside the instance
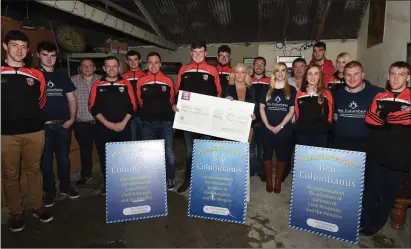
(213, 116)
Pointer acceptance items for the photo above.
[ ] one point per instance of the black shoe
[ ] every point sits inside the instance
(49, 199)
(16, 223)
(43, 215)
(70, 193)
(171, 184)
(83, 181)
(183, 187)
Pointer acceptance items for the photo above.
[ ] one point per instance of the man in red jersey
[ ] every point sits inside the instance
(23, 97)
(134, 61)
(327, 67)
(155, 95)
(388, 154)
(197, 77)
(223, 67)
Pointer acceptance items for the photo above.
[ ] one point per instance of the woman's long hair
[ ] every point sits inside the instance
(320, 85)
(287, 91)
(231, 78)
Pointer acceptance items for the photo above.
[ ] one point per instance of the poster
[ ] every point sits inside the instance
(135, 180)
(219, 179)
(327, 189)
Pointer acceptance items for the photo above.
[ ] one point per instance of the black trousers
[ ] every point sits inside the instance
(312, 139)
(105, 135)
(345, 143)
(381, 187)
(85, 133)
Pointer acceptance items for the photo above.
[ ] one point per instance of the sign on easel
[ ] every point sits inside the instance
(219, 181)
(327, 191)
(135, 181)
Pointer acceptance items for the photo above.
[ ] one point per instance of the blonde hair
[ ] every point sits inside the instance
(345, 56)
(231, 78)
(287, 91)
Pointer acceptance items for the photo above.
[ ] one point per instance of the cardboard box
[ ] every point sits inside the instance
(116, 47)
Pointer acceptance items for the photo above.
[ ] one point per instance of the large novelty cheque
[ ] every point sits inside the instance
(327, 191)
(213, 116)
(135, 180)
(219, 178)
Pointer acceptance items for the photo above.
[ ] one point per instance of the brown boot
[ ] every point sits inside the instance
(268, 168)
(279, 172)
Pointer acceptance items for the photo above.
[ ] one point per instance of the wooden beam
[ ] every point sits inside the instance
(321, 24)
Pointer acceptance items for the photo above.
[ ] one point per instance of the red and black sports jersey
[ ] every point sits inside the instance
(199, 78)
(155, 94)
(390, 117)
(259, 86)
(114, 100)
(23, 96)
(310, 116)
(133, 77)
(224, 74)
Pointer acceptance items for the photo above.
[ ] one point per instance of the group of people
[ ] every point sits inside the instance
(317, 106)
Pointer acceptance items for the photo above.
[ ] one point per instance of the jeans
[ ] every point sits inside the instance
(381, 187)
(58, 141)
(136, 126)
(85, 133)
(188, 141)
(256, 150)
(105, 135)
(162, 130)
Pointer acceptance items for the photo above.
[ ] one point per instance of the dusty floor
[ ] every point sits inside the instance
(81, 223)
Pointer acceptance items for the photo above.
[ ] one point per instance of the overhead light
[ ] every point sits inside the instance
(27, 24)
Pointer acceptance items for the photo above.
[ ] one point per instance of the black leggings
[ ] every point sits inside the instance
(282, 145)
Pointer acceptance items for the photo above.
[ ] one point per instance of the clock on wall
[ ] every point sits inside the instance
(70, 39)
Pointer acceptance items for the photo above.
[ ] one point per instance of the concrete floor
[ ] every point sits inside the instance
(81, 223)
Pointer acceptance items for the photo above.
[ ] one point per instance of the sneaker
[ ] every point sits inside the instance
(103, 192)
(70, 193)
(183, 187)
(49, 199)
(16, 223)
(170, 184)
(83, 181)
(43, 215)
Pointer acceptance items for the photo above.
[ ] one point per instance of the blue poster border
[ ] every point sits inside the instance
(297, 146)
(246, 182)
(164, 177)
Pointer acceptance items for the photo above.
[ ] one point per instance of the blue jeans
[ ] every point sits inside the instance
(188, 141)
(162, 130)
(256, 150)
(136, 129)
(58, 140)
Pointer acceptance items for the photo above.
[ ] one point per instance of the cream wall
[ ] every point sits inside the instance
(377, 59)
(238, 52)
(334, 47)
